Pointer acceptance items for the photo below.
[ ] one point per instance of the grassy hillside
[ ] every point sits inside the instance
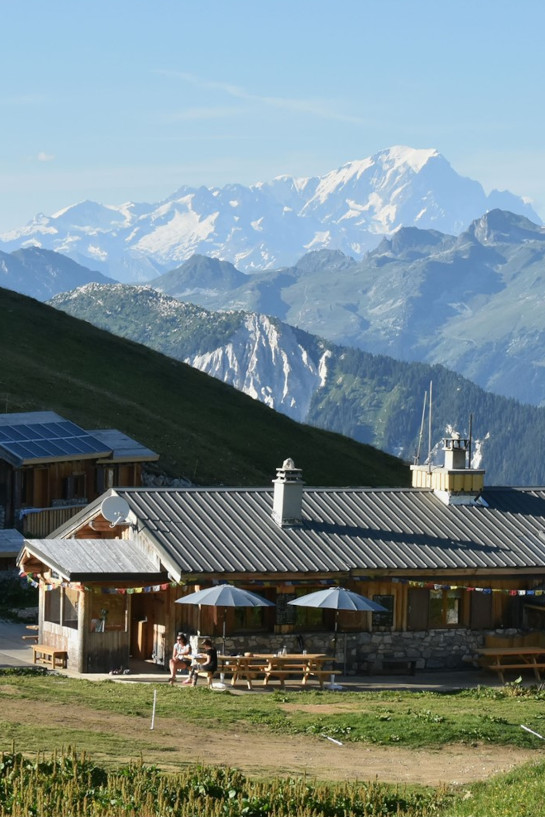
(203, 430)
(371, 398)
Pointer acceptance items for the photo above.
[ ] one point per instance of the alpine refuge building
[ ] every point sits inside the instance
(449, 559)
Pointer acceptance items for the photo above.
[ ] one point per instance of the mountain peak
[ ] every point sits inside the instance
(200, 272)
(322, 259)
(411, 239)
(414, 158)
(505, 227)
(270, 225)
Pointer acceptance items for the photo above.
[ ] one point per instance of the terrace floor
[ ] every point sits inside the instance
(16, 652)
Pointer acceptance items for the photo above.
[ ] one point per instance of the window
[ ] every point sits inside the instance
(285, 612)
(73, 487)
(70, 607)
(309, 618)
(444, 608)
(27, 484)
(249, 618)
(52, 611)
(384, 620)
(245, 619)
(108, 612)
(61, 606)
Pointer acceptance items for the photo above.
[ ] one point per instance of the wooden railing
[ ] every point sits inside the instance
(39, 524)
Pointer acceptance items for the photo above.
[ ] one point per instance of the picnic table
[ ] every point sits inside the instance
(268, 666)
(501, 659)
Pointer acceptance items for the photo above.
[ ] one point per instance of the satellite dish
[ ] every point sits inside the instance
(115, 509)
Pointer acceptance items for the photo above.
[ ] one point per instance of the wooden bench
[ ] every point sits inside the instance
(30, 637)
(501, 659)
(282, 667)
(501, 669)
(315, 668)
(245, 668)
(280, 675)
(44, 654)
(320, 675)
(399, 664)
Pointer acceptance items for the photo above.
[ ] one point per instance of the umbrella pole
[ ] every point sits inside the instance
(332, 684)
(224, 618)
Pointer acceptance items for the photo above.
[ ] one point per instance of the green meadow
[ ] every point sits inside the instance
(98, 755)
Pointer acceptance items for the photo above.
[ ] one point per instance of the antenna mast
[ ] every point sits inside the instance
(429, 428)
(420, 435)
(470, 439)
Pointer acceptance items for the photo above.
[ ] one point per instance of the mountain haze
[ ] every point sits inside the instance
(371, 398)
(474, 303)
(43, 273)
(269, 224)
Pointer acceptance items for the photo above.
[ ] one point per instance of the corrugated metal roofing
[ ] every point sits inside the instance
(227, 530)
(107, 559)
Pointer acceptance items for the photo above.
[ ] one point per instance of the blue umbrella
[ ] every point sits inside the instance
(338, 598)
(225, 595)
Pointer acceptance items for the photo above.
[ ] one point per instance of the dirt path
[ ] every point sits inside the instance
(174, 743)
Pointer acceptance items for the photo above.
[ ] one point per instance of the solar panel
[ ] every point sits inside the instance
(40, 441)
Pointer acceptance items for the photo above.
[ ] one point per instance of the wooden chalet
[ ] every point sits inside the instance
(450, 559)
(50, 468)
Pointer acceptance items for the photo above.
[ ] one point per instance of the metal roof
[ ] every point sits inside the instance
(17, 418)
(45, 437)
(122, 447)
(11, 541)
(106, 559)
(225, 530)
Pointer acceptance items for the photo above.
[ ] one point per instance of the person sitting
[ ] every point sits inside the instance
(180, 657)
(209, 666)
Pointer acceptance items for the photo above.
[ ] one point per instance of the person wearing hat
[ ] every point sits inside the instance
(180, 659)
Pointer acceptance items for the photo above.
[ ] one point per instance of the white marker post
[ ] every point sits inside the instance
(338, 742)
(532, 732)
(153, 710)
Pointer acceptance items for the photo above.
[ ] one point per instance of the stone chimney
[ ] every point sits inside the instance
(288, 495)
(456, 483)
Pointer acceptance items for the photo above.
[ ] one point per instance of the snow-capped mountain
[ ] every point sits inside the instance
(272, 224)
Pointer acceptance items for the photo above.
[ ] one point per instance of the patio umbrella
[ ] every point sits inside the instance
(338, 598)
(225, 595)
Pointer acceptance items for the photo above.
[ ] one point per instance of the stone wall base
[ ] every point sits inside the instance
(373, 653)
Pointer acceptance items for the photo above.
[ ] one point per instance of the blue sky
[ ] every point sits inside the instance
(116, 100)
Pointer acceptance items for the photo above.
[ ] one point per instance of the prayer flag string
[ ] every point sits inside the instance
(156, 588)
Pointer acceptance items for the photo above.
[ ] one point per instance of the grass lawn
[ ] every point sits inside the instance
(110, 722)
(413, 719)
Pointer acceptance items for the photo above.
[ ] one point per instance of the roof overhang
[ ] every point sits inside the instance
(128, 458)
(91, 560)
(64, 458)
